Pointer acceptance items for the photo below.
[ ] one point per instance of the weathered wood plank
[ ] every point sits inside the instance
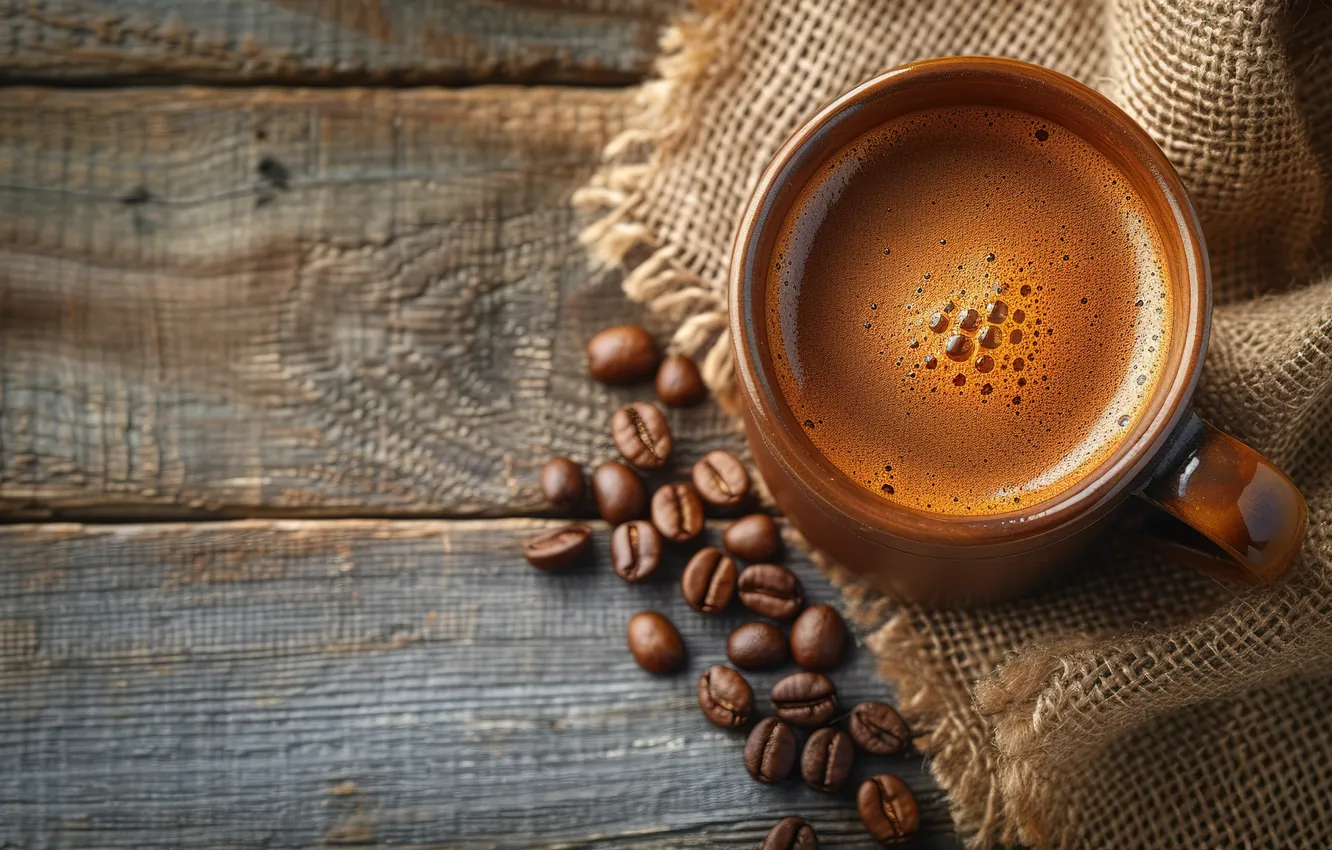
(301, 301)
(298, 683)
(321, 41)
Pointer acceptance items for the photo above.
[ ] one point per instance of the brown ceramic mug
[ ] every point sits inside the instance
(1202, 496)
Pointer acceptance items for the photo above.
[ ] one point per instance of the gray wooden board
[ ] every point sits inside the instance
(283, 683)
(286, 301)
(331, 41)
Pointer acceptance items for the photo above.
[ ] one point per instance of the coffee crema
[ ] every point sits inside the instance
(968, 309)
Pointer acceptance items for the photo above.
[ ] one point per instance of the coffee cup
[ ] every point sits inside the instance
(969, 304)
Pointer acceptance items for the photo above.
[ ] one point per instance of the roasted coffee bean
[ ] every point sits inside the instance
(708, 582)
(555, 550)
(805, 699)
(721, 479)
(770, 752)
(791, 834)
(877, 728)
(635, 550)
(642, 435)
(817, 637)
(677, 512)
(725, 697)
(756, 646)
(678, 382)
(621, 355)
(888, 809)
(655, 643)
(562, 482)
(754, 538)
(826, 760)
(619, 492)
(772, 591)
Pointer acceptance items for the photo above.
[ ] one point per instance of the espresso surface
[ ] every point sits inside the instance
(968, 310)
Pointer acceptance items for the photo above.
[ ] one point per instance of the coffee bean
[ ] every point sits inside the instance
(725, 697)
(721, 479)
(791, 834)
(619, 492)
(826, 761)
(555, 550)
(772, 591)
(678, 382)
(770, 752)
(817, 637)
(708, 582)
(756, 646)
(562, 482)
(655, 643)
(677, 512)
(754, 538)
(877, 728)
(635, 550)
(805, 699)
(642, 435)
(621, 355)
(888, 809)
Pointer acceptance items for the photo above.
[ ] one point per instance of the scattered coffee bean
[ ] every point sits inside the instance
(826, 760)
(635, 550)
(677, 512)
(791, 834)
(888, 809)
(642, 435)
(655, 643)
(555, 550)
(619, 492)
(771, 591)
(805, 699)
(877, 728)
(725, 697)
(721, 479)
(622, 354)
(678, 382)
(756, 646)
(770, 752)
(562, 482)
(708, 582)
(817, 637)
(754, 538)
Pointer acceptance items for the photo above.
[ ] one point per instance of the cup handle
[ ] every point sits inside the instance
(1223, 508)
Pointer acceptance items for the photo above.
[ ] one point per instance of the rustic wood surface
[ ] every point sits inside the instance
(271, 683)
(301, 301)
(331, 41)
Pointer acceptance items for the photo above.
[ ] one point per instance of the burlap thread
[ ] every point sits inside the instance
(1134, 703)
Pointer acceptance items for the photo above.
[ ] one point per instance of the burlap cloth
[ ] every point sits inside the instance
(1135, 703)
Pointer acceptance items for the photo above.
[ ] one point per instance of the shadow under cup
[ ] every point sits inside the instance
(939, 558)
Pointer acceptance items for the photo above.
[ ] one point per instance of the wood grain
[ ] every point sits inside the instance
(408, 683)
(318, 302)
(328, 42)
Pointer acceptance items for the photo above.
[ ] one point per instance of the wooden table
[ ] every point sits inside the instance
(291, 311)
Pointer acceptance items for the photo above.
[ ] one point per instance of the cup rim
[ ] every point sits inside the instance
(1106, 485)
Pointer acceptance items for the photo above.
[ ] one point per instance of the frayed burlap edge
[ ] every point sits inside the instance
(950, 734)
(690, 56)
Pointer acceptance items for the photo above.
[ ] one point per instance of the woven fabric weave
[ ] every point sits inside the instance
(1134, 703)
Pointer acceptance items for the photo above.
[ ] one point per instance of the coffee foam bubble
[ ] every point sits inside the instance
(974, 298)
